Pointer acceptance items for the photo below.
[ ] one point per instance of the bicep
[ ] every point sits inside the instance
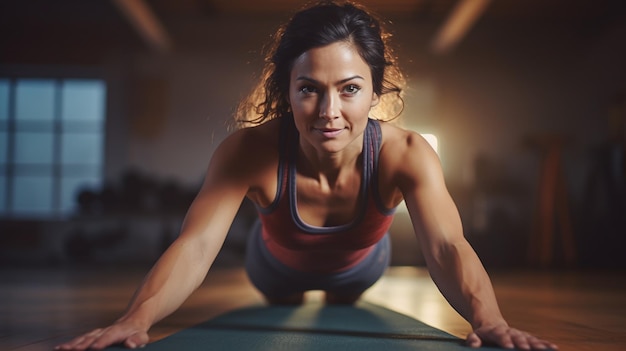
(433, 213)
(214, 208)
(434, 216)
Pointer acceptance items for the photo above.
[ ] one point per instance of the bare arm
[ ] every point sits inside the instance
(184, 265)
(452, 262)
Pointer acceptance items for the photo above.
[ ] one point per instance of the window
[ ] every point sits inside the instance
(51, 144)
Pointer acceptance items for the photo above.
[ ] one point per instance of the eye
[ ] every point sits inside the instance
(351, 89)
(307, 90)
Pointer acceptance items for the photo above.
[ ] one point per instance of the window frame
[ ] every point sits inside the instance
(58, 75)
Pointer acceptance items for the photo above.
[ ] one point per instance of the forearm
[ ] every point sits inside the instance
(184, 265)
(179, 271)
(461, 277)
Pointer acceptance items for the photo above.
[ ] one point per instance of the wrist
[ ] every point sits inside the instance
(486, 315)
(489, 323)
(141, 321)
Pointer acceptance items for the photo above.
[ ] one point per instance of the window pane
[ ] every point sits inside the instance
(81, 148)
(72, 186)
(4, 99)
(3, 194)
(4, 147)
(33, 147)
(32, 195)
(34, 100)
(39, 145)
(83, 100)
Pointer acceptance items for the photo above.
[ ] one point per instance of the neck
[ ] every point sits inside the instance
(328, 166)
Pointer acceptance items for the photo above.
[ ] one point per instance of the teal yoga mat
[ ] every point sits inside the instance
(312, 326)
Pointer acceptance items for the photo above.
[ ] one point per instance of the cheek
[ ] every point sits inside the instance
(303, 106)
(362, 108)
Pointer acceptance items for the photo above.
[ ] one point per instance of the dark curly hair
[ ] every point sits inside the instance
(324, 23)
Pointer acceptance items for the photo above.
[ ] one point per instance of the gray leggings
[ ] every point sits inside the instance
(274, 279)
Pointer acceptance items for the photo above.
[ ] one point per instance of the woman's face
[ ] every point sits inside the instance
(331, 94)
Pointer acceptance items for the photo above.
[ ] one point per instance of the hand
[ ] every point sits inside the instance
(509, 338)
(124, 332)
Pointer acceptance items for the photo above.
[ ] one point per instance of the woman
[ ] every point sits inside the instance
(325, 178)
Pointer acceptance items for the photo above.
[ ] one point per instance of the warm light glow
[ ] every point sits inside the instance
(462, 18)
(434, 143)
(432, 140)
(146, 23)
(411, 291)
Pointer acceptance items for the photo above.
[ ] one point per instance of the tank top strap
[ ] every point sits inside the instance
(285, 151)
(376, 140)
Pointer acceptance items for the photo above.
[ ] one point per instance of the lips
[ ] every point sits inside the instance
(330, 132)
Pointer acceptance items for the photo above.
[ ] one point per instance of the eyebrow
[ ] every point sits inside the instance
(308, 79)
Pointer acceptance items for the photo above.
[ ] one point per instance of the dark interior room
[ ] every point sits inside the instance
(110, 112)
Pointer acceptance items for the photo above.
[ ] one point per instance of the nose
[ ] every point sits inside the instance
(329, 106)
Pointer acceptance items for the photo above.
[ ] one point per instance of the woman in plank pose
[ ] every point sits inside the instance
(325, 172)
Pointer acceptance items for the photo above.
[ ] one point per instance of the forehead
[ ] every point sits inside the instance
(334, 61)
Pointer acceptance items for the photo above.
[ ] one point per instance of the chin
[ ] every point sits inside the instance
(332, 146)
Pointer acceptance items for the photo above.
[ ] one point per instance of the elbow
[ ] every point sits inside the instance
(448, 253)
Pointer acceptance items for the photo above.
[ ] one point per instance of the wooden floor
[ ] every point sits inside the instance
(577, 310)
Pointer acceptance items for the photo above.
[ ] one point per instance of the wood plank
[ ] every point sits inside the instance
(581, 310)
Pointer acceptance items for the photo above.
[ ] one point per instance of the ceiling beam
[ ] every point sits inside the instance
(458, 24)
(150, 29)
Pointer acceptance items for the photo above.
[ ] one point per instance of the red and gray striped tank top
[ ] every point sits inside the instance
(309, 248)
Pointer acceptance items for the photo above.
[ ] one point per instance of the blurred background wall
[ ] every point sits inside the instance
(528, 107)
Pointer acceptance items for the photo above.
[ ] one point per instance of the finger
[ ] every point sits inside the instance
(539, 344)
(65, 346)
(521, 341)
(137, 340)
(70, 344)
(81, 342)
(473, 340)
(504, 339)
(500, 336)
(85, 343)
(112, 336)
(506, 342)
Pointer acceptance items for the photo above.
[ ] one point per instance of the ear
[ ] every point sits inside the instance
(375, 99)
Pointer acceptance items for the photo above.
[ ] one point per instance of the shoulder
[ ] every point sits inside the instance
(399, 143)
(407, 157)
(247, 150)
(251, 141)
(264, 133)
